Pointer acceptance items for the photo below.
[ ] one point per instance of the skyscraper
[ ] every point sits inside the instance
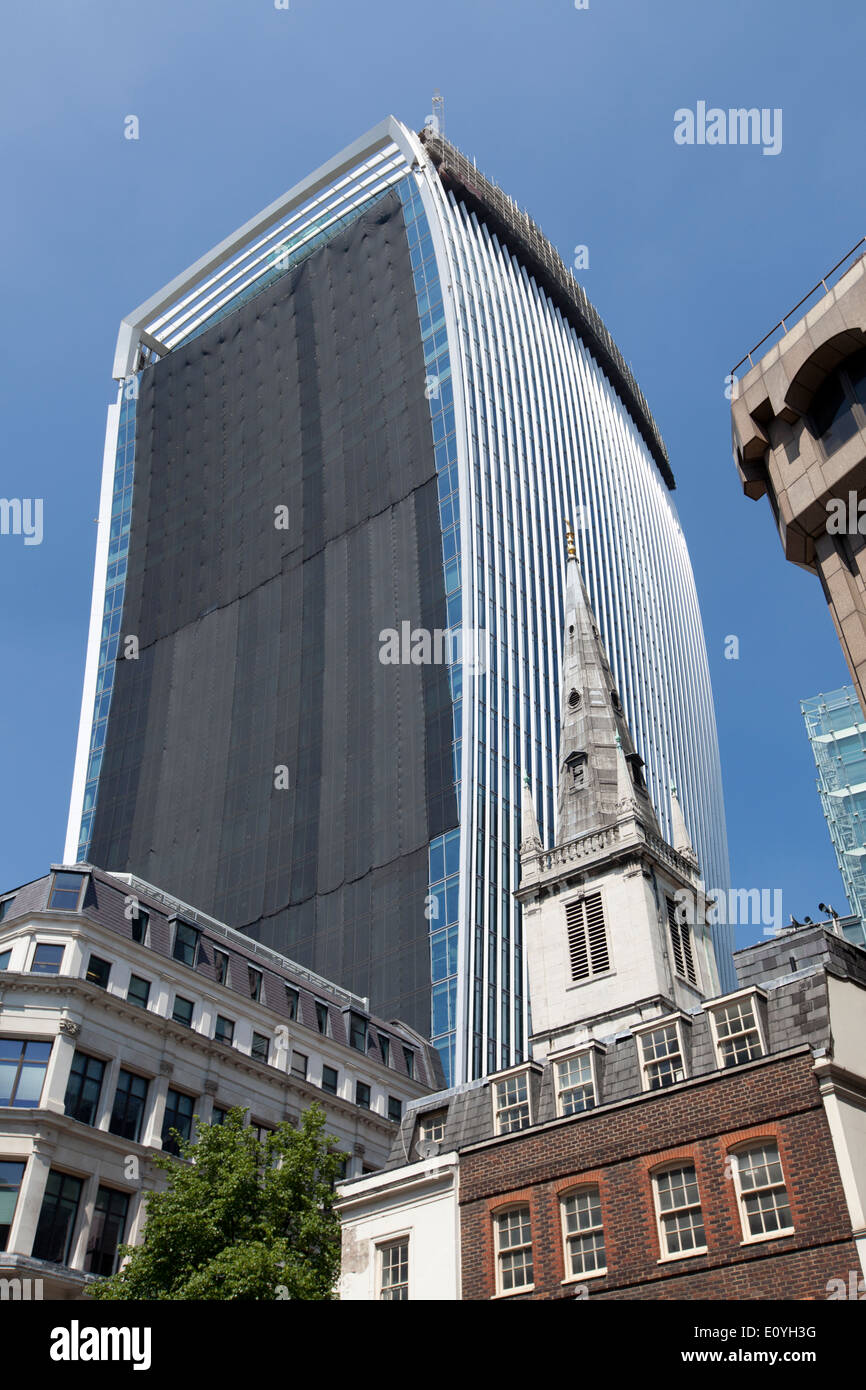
(837, 733)
(371, 411)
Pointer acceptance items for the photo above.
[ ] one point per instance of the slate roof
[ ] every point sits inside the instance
(792, 969)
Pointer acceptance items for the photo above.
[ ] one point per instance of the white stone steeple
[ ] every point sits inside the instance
(605, 946)
(598, 764)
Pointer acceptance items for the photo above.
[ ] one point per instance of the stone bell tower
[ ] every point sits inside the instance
(614, 926)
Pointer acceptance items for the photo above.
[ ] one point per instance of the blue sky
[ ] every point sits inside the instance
(695, 252)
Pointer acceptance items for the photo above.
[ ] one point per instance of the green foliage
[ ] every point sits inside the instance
(240, 1218)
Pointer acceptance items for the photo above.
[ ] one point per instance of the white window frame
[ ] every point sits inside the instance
(665, 1254)
(297, 1074)
(174, 998)
(567, 1236)
(151, 996)
(644, 1032)
(441, 1119)
(747, 1147)
(36, 942)
(578, 1054)
(755, 996)
(499, 1109)
(381, 1246)
(498, 1217)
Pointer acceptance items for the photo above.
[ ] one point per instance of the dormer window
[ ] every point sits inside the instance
(635, 762)
(66, 891)
(431, 1127)
(185, 943)
(139, 925)
(358, 1032)
(511, 1103)
(575, 1084)
(737, 1030)
(662, 1053)
(577, 764)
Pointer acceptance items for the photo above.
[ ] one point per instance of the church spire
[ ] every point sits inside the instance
(599, 904)
(600, 773)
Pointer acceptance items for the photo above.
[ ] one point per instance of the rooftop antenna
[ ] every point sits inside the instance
(436, 121)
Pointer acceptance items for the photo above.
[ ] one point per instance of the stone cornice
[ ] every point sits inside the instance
(191, 1040)
(836, 1080)
(597, 850)
(188, 1040)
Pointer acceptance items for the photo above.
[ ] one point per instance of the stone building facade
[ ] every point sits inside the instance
(125, 1013)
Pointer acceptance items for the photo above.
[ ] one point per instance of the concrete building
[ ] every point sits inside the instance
(799, 429)
(367, 412)
(125, 1013)
(665, 1140)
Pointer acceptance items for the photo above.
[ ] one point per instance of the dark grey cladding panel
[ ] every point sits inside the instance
(800, 950)
(703, 1052)
(798, 1013)
(259, 646)
(361, 932)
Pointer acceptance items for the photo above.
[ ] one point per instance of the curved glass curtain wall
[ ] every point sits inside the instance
(548, 439)
(444, 850)
(115, 583)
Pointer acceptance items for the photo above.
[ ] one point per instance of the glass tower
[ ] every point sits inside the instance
(837, 733)
(391, 342)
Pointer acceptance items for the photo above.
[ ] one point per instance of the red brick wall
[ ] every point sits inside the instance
(618, 1149)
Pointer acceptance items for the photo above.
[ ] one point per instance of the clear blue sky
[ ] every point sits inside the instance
(694, 254)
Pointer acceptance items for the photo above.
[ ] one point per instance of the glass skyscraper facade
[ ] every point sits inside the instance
(395, 351)
(837, 733)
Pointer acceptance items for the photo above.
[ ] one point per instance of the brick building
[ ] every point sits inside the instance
(663, 1141)
(734, 1149)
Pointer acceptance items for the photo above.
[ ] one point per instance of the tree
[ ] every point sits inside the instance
(240, 1218)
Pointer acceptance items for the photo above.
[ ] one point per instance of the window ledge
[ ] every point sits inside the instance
(590, 980)
(683, 1255)
(512, 1293)
(769, 1235)
(582, 1278)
